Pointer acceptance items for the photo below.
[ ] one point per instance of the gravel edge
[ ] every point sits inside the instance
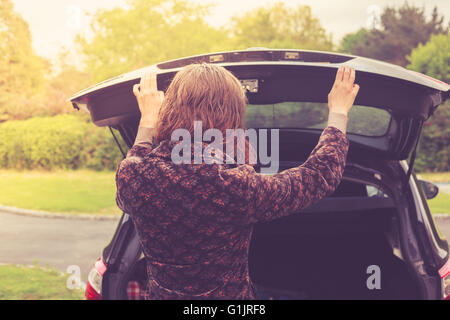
(45, 214)
(57, 215)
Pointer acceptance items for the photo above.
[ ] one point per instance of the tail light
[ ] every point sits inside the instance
(94, 283)
(444, 272)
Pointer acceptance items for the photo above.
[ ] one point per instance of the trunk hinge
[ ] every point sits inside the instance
(413, 154)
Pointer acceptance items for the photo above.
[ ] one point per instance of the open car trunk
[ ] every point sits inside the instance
(325, 251)
(329, 255)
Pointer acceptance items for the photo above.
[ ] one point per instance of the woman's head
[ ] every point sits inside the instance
(201, 92)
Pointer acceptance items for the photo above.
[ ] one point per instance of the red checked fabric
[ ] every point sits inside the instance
(195, 221)
(134, 291)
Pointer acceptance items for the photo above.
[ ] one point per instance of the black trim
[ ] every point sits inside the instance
(413, 155)
(350, 204)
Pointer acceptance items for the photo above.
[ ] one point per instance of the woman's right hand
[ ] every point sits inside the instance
(344, 91)
(149, 98)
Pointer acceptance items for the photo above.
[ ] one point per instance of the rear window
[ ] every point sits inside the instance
(366, 121)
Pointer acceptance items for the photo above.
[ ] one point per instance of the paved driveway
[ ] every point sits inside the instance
(444, 227)
(55, 242)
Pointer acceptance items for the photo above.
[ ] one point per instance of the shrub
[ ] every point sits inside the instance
(433, 150)
(63, 141)
(100, 151)
(433, 59)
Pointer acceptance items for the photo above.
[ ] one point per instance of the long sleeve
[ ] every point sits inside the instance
(144, 136)
(126, 182)
(257, 197)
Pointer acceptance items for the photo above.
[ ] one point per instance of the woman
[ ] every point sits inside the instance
(195, 221)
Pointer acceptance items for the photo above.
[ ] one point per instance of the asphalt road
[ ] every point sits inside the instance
(60, 243)
(53, 242)
(444, 227)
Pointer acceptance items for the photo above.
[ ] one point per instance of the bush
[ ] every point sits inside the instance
(63, 141)
(433, 151)
(433, 59)
(100, 151)
(73, 142)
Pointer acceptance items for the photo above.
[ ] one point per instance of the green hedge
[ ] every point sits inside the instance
(63, 141)
(434, 148)
(73, 142)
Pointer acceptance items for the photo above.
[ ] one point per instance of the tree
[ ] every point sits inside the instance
(22, 72)
(433, 59)
(61, 86)
(351, 40)
(146, 32)
(278, 26)
(402, 30)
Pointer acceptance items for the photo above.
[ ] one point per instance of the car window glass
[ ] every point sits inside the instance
(367, 121)
(375, 192)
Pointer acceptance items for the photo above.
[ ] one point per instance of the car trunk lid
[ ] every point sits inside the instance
(275, 78)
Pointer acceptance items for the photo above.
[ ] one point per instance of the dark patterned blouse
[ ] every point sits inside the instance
(195, 221)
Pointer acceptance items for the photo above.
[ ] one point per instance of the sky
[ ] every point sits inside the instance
(55, 23)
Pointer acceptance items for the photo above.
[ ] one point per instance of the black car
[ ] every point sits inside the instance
(374, 238)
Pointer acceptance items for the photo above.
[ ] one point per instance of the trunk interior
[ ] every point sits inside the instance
(324, 253)
(326, 256)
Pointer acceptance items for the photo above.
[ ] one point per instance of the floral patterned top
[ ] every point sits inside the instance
(195, 221)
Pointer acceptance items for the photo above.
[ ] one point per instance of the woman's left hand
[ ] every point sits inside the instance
(149, 99)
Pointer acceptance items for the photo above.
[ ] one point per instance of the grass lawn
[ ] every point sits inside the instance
(81, 191)
(34, 283)
(435, 176)
(440, 204)
(85, 191)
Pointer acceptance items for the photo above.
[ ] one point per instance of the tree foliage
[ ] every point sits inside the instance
(61, 86)
(63, 141)
(146, 32)
(278, 26)
(433, 151)
(350, 41)
(402, 30)
(433, 59)
(22, 72)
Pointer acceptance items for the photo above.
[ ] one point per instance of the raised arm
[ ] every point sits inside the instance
(260, 197)
(149, 100)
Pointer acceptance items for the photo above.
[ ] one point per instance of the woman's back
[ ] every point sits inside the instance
(194, 221)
